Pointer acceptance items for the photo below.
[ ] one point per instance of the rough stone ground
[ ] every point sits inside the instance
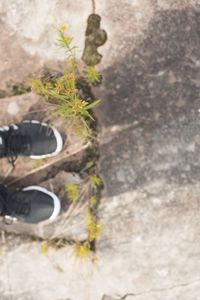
(149, 142)
(49, 172)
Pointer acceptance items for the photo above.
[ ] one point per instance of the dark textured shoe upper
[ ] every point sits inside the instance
(31, 205)
(42, 138)
(30, 138)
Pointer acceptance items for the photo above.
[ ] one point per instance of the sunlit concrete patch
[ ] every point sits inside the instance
(29, 32)
(16, 64)
(13, 108)
(150, 240)
(27, 273)
(35, 23)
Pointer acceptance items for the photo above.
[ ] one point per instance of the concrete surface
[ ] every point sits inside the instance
(150, 158)
(149, 143)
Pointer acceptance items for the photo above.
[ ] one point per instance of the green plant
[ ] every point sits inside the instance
(82, 250)
(93, 201)
(44, 248)
(62, 92)
(93, 226)
(65, 41)
(92, 75)
(96, 180)
(89, 164)
(73, 192)
(67, 102)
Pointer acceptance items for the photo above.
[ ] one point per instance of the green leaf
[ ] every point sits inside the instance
(96, 180)
(92, 75)
(93, 104)
(89, 164)
(58, 96)
(86, 113)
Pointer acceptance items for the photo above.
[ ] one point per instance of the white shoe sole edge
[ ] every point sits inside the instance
(57, 205)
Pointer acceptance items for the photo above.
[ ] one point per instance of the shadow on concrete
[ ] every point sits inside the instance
(158, 86)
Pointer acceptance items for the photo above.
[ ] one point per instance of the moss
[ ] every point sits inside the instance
(73, 192)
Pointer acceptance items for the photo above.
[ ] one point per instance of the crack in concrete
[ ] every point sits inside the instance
(182, 285)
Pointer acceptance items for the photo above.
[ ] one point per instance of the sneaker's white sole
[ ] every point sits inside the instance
(56, 200)
(58, 137)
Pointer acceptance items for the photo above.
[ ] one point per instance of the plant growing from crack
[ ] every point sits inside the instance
(62, 91)
(92, 186)
(73, 192)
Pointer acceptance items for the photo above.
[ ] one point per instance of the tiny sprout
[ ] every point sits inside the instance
(82, 251)
(93, 227)
(93, 200)
(73, 192)
(96, 180)
(67, 39)
(44, 248)
(63, 27)
(89, 164)
(92, 75)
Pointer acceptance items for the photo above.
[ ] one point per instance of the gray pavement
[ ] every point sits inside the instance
(149, 142)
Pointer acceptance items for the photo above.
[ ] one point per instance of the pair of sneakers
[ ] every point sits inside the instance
(36, 140)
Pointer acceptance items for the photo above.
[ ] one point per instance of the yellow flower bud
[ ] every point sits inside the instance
(63, 27)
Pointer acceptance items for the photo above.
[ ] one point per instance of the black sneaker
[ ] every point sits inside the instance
(29, 138)
(32, 204)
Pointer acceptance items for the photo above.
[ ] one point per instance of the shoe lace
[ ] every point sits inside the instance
(16, 143)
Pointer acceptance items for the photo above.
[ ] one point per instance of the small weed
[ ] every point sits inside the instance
(93, 226)
(89, 164)
(73, 192)
(44, 248)
(92, 75)
(93, 201)
(65, 41)
(96, 180)
(62, 92)
(82, 250)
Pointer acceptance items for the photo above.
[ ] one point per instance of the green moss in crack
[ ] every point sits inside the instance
(93, 75)
(73, 192)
